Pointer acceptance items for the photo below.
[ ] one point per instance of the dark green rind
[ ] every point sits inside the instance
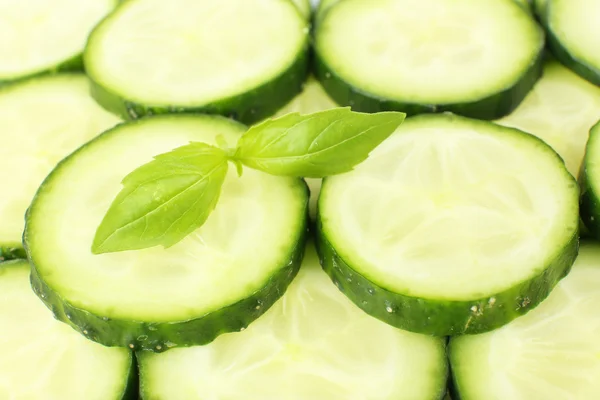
(249, 107)
(11, 253)
(589, 202)
(159, 337)
(132, 388)
(74, 64)
(586, 71)
(443, 317)
(489, 108)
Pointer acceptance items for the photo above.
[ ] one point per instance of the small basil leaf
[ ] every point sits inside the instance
(315, 145)
(163, 201)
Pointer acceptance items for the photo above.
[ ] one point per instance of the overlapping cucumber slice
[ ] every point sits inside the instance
(312, 344)
(43, 358)
(590, 184)
(239, 58)
(471, 57)
(561, 109)
(218, 279)
(41, 121)
(451, 226)
(573, 34)
(41, 36)
(550, 353)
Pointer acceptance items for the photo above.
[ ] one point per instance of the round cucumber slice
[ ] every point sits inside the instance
(451, 226)
(551, 353)
(218, 279)
(573, 34)
(471, 57)
(239, 58)
(560, 110)
(40, 36)
(41, 120)
(43, 358)
(590, 183)
(312, 344)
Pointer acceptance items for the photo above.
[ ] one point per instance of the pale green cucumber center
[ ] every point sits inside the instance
(553, 352)
(561, 109)
(312, 344)
(248, 237)
(451, 209)
(575, 23)
(41, 121)
(312, 99)
(41, 34)
(429, 50)
(194, 52)
(46, 359)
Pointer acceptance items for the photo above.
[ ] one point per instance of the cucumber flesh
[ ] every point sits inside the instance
(65, 117)
(218, 279)
(304, 7)
(551, 353)
(240, 58)
(43, 358)
(40, 35)
(312, 344)
(561, 109)
(574, 34)
(451, 226)
(471, 57)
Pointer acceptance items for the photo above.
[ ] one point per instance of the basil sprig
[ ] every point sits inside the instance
(168, 198)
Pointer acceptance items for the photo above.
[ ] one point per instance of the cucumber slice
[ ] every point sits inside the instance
(312, 99)
(471, 57)
(573, 34)
(451, 226)
(64, 117)
(218, 279)
(561, 109)
(312, 344)
(45, 359)
(590, 184)
(41, 36)
(551, 353)
(240, 58)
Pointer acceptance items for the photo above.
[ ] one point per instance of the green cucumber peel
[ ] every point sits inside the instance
(168, 198)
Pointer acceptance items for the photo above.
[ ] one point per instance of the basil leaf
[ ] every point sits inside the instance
(316, 145)
(164, 201)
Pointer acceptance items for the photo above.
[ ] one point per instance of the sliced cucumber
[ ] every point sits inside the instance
(40, 36)
(218, 279)
(561, 109)
(573, 34)
(590, 184)
(451, 226)
(312, 344)
(551, 353)
(45, 359)
(240, 58)
(41, 120)
(312, 99)
(471, 57)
